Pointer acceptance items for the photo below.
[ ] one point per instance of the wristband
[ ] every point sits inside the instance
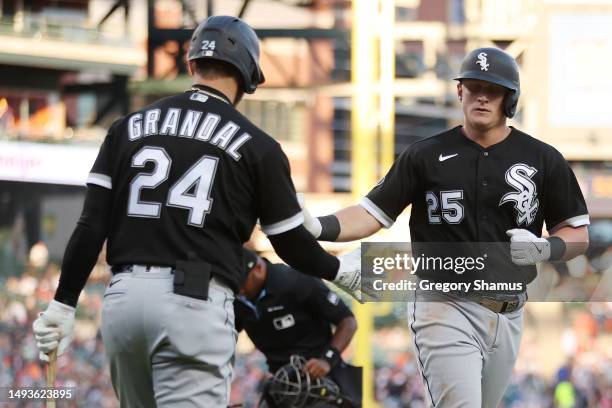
(557, 248)
(330, 228)
(332, 356)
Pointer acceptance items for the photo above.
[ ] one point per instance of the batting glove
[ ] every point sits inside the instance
(312, 224)
(526, 248)
(53, 329)
(348, 277)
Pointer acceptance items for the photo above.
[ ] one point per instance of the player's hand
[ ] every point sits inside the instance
(53, 329)
(312, 224)
(526, 248)
(348, 277)
(317, 368)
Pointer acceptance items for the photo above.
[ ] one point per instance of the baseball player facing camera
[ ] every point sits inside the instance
(286, 313)
(176, 189)
(481, 182)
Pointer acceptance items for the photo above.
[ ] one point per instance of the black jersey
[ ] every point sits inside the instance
(463, 192)
(293, 315)
(189, 177)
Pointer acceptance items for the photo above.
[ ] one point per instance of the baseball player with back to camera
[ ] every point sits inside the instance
(177, 188)
(480, 182)
(287, 313)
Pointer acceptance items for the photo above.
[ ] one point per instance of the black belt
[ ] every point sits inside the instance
(499, 305)
(127, 268)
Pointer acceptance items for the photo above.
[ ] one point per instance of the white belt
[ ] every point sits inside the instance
(150, 268)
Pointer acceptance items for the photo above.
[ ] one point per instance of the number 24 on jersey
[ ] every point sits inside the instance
(198, 179)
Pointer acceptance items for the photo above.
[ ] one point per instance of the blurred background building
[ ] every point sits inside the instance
(69, 68)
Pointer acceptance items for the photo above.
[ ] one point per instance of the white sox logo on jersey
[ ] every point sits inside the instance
(482, 61)
(525, 197)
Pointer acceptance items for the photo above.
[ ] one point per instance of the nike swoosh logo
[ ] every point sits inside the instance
(442, 158)
(112, 283)
(537, 248)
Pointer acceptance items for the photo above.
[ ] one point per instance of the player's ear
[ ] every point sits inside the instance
(459, 91)
(190, 68)
(260, 269)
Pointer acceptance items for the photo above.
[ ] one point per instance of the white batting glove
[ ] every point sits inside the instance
(312, 224)
(526, 248)
(348, 277)
(53, 329)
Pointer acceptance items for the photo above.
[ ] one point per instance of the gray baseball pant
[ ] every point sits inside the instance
(465, 352)
(168, 350)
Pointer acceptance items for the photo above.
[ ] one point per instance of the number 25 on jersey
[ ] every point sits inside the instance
(452, 210)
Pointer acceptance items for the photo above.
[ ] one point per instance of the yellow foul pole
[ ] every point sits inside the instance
(373, 111)
(364, 123)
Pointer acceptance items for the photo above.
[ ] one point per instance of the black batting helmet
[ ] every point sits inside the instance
(231, 40)
(495, 66)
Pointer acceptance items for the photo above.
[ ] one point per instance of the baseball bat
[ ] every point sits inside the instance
(51, 376)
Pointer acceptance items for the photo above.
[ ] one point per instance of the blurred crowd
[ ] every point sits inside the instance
(83, 366)
(584, 381)
(584, 385)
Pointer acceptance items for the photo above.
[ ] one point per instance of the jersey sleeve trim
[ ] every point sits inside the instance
(575, 222)
(376, 212)
(100, 180)
(283, 226)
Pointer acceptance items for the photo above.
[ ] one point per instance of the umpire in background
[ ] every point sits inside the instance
(285, 313)
(176, 189)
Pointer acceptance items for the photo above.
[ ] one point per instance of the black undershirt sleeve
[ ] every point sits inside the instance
(84, 245)
(301, 251)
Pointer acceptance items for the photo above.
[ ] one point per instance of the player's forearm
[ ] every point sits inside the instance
(356, 223)
(84, 245)
(576, 241)
(345, 330)
(302, 252)
(79, 259)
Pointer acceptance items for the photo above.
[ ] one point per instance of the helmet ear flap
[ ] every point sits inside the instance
(510, 103)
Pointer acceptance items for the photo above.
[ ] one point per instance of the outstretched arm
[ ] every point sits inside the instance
(302, 252)
(356, 223)
(349, 224)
